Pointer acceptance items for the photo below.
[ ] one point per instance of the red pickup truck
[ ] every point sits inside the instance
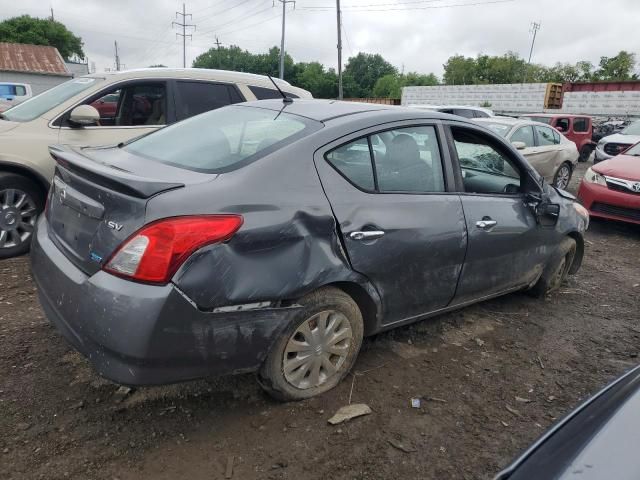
(577, 128)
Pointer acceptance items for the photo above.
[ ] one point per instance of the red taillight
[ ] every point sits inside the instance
(156, 251)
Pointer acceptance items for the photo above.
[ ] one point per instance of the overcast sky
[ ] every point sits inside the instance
(418, 35)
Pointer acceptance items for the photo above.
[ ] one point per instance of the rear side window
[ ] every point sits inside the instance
(463, 112)
(525, 135)
(20, 90)
(353, 161)
(225, 139)
(580, 125)
(199, 97)
(263, 93)
(545, 136)
(480, 114)
(404, 160)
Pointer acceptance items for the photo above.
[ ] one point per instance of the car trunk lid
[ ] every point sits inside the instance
(98, 198)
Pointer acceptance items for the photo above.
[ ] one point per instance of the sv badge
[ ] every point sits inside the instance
(114, 226)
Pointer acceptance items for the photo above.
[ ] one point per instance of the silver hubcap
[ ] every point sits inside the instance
(317, 349)
(563, 177)
(18, 214)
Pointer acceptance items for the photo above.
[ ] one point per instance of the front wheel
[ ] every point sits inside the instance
(317, 350)
(562, 177)
(21, 201)
(556, 270)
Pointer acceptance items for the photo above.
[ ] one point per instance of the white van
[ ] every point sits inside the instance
(103, 109)
(14, 93)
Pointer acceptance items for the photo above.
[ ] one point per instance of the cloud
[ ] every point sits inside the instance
(420, 39)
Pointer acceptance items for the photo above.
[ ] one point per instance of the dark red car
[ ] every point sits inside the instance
(611, 189)
(577, 128)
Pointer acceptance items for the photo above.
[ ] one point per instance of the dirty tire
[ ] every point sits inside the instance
(562, 178)
(335, 309)
(585, 153)
(21, 201)
(556, 270)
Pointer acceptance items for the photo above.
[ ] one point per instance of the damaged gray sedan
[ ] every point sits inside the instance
(273, 236)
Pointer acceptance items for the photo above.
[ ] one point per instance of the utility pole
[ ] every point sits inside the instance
(52, 19)
(217, 42)
(339, 50)
(184, 33)
(535, 26)
(117, 57)
(284, 13)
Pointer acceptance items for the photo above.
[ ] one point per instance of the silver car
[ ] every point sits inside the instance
(547, 150)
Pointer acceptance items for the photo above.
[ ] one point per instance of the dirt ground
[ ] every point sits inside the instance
(492, 378)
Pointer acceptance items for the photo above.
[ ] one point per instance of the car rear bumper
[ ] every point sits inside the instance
(138, 334)
(603, 202)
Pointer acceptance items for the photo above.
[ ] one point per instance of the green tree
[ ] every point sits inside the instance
(390, 86)
(362, 72)
(38, 31)
(313, 77)
(235, 58)
(617, 68)
(460, 70)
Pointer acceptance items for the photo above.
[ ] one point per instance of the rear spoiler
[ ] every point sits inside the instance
(107, 175)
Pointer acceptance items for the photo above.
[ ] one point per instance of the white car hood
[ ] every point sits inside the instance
(620, 138)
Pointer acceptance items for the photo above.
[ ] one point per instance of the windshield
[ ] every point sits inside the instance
(634, 151)
(224, 139)
(498, 128)
(40, 104)
(632, 129)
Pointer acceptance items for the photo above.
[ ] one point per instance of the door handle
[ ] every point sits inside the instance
(366, 235)
(486, 224)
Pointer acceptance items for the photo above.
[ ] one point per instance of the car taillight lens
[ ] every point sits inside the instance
(156, 251)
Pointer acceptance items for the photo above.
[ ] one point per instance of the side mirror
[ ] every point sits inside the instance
(548, 214)
(84, 115)
(519, 145)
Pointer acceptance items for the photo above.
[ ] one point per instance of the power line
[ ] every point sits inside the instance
(184, 33)
(327, 8)
(284, 18)
(220, 12)
(238, 18)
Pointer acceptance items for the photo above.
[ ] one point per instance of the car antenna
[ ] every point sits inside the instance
(285, 99)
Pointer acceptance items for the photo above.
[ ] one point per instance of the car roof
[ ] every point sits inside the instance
(197, 74)
(327, 110)
(553, 115)
(468, 107)
(510, 121)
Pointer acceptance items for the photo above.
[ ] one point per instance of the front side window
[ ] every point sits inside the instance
(7, 90)
(130, 105)
(404, 160)
(563, 124)
(200, 97)
(484, 166)
(524, 135)
(580, 125)
(545, 136)
(224, 139)
(40, 104)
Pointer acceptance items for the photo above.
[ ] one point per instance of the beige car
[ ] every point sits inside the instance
(103, 109)
(547, 150)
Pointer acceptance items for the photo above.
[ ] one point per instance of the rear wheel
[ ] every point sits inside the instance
(317, 350)
(585, 153)
(21, 201)
(562, 177)
(556, 270)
